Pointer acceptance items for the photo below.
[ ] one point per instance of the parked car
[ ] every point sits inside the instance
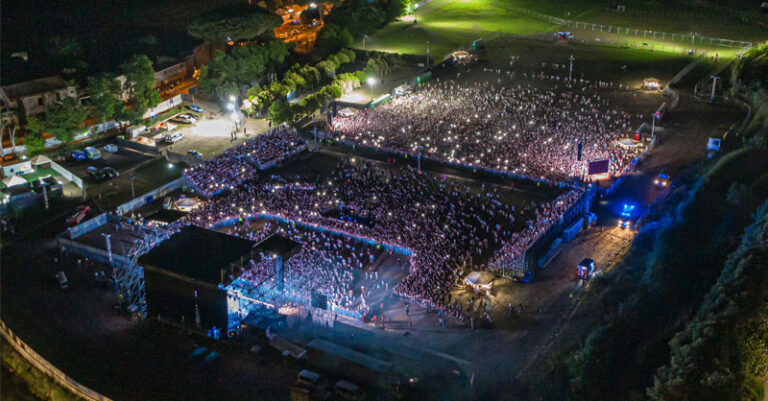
(311, 380)
(195, 154)
(79, 214)
(111, 148)
(109, 172)
(195, 108)
(94, 173)
(78, 155)
(185, 118)
(61, 278)
(347, 391)
(174, 137)
(92, 153)
(190, 117)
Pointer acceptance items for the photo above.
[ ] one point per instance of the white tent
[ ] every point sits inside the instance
(40, 159)
(13, 181)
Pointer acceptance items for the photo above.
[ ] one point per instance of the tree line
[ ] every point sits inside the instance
(108, 99)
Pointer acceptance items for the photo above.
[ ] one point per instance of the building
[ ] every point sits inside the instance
(186, 276)
(33, 97)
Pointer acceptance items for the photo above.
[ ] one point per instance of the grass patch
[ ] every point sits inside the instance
(449, 25)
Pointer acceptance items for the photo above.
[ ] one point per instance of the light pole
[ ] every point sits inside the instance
(570, 69)
(714, 85)
(427, 54)
(107, 238)
(133, 187)
(371, 81)
(364, 38)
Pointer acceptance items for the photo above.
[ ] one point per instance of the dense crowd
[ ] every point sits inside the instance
(240, 163)
(526, 131)
(448, 228)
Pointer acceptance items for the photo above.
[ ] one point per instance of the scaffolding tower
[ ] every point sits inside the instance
(129, 277)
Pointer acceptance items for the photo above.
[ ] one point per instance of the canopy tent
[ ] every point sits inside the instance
(13, 181)
(40, 159)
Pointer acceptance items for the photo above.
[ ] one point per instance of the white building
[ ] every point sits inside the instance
(35, 96)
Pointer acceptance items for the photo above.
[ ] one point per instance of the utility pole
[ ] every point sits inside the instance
(107, 239)
(570, 70)
(45, 193)
(714, 85)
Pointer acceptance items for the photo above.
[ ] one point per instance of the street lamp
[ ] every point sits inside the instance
(371, 81)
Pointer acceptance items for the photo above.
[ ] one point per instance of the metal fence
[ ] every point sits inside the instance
(47, 368)
(689, 38)
(151, 195)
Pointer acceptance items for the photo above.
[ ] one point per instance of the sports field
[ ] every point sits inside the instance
(452, 24)
(449, 25)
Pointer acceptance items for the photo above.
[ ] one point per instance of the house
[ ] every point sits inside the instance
(35, 96)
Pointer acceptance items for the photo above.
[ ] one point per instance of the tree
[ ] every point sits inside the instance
(140, 80)
(105, 92)
(277, 51)
(64, 119)
(234, 25)
(280, 112)
(34, 141)
(334, 37)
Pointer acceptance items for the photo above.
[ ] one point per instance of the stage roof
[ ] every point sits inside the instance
(198, 254)
(278, 245)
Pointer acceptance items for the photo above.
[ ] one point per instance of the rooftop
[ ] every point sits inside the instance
(197, 253)
(34, 86)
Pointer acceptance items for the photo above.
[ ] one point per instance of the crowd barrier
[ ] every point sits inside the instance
(317, 228)
(47, 368)
(151, 195)
(68, 175)
(460, 166)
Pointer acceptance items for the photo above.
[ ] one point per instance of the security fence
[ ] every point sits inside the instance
(688, 38)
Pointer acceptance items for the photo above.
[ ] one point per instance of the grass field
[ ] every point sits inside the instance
(452, 24)
(736, 23)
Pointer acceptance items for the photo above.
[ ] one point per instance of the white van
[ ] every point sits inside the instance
(174, 137)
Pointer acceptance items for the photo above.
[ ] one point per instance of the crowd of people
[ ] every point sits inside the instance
(447, 227)
(520, 130)
(240, 163)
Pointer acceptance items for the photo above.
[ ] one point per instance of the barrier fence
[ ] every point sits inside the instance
(151, 195)
(47, 368)
(688, 38)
